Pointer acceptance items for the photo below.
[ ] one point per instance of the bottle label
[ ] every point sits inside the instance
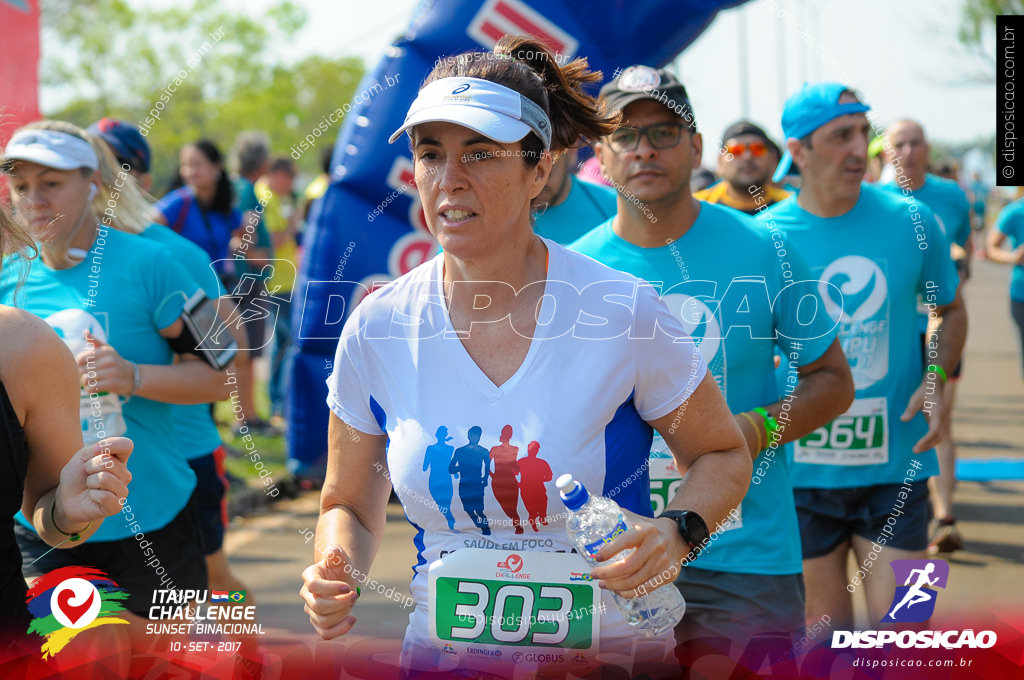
(592, 548)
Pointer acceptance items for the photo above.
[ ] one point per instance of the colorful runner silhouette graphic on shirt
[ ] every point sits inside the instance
(472, 465)
(505, 486)
(437, 459)
(533, 472)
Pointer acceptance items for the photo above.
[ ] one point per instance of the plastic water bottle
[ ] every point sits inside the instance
(100, 415)
(594, 521)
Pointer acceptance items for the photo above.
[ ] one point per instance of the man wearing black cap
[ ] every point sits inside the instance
(746, 170)
(737, 296)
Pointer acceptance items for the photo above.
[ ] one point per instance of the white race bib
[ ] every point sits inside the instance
(514, 606)
(858, 437)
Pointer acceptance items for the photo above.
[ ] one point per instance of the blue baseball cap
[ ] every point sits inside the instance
(809, 109)
(125, 140)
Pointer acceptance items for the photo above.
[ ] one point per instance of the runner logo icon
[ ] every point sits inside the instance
(914, 601)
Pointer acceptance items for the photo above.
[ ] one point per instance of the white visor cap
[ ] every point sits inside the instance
(52, 148)
(493, 110)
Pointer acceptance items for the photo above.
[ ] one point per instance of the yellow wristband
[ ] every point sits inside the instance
(757, 429)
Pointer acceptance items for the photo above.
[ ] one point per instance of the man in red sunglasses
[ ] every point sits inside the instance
(745, 166)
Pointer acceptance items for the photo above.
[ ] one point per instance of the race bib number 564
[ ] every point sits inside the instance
(858, 437)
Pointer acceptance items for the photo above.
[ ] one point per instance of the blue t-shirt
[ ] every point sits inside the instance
(209, 230)
(1011, 223)
(199, 435)
(586, 206)
(724, 278)
(947, 200)
(872, 263)
(130, 287)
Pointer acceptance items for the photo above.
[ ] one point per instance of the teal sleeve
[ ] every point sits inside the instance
(170, 287)
(1009, 220)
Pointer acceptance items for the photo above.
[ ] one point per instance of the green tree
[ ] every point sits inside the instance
(977, 32)
(113, 58)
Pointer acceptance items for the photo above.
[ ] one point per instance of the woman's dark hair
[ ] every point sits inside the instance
(530, 68)
(224, 197)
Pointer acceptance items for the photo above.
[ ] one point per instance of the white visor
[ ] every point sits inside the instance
(493, 110)
(52, 148)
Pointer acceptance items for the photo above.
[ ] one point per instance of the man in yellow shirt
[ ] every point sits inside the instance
(746, 170)
(276, 192)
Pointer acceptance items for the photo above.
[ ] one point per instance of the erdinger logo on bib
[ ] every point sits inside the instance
(69, 600)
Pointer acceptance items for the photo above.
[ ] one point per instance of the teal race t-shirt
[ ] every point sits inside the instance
(199, 435)
(739, 297)
(947, 200)
(1011, 223)
(586, 206)
(872, 264)
(130, 287)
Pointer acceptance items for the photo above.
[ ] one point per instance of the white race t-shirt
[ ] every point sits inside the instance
(474, 464)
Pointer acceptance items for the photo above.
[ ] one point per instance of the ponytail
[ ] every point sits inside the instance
(532, 69)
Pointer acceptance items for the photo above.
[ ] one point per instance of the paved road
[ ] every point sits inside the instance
(269, 552)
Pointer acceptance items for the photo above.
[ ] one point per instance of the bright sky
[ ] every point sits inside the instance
(902, 56)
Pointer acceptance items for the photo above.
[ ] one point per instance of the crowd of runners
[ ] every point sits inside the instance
(760, 372)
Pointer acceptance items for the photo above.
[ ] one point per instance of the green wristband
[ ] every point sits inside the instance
(770, 424)
(935, 368)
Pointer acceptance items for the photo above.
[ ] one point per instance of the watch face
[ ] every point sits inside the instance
(695, 527)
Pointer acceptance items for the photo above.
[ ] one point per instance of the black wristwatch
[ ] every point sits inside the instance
(692, 528)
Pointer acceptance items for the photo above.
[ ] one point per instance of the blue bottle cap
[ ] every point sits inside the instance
(573, 494)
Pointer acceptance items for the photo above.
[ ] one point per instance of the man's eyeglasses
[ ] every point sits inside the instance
(660, 135)
(758, 149)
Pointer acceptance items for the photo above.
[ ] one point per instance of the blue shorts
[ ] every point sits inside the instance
(829, 517)
(211, 498)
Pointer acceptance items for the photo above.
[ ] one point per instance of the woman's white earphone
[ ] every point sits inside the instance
(92, 192)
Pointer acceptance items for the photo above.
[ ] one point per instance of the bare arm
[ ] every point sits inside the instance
(708, 446)
(190, 380)
(946, 340)
(994, 249)
(824, 390)
(43, 387)
(353, 507)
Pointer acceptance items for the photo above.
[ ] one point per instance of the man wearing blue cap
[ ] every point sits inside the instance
(861, 481)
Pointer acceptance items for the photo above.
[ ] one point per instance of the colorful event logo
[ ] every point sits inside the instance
(914, 601)
(68, 600)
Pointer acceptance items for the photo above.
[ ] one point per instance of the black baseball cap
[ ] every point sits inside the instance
(644, 82)
(745, 127)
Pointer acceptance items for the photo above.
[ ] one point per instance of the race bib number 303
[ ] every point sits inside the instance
(484, 599)
(858, 437)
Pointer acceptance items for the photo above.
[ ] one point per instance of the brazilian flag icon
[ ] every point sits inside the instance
(237, 596)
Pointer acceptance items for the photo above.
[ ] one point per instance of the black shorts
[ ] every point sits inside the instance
(177, 560)
(740, 606)
(211, 498)
(828, 517)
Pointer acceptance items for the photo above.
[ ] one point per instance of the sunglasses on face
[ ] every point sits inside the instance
(758, 149)
(660, 136)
